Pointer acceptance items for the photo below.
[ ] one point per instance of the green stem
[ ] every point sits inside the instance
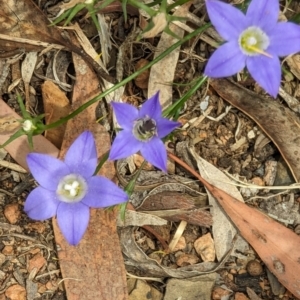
(128, 79)
(177, 3)
(142, 6)
(176, 106)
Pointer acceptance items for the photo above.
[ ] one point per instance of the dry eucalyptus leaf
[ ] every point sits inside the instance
(162, 73)
(272, 117)
(223, 230)
(276, 245)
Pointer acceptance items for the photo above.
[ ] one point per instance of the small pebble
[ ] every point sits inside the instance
(12, 213)
(254, 268)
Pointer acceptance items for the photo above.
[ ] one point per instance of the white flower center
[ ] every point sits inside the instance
(71, 188)
(254, 41)
(28, 125)
(144, 129)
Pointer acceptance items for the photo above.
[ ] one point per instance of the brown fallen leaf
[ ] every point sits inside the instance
(223, 230)
(57, 106)
(280, 124)
(96, 265)
(276, 245)
(162, 73)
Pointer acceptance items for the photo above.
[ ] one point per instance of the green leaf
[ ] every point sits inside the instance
(74, 10)
(124, 8)
(60, 18)
(25, 113)
(13, 137)
(94, 18)
(174, 109)
(103, 159)
(123, 210)
(177, 3)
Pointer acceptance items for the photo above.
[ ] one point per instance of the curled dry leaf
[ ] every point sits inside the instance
(272, 117)
(137, 258)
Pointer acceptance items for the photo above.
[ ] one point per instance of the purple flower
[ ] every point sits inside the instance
(142, 131)
(68, 188)
(254, 40)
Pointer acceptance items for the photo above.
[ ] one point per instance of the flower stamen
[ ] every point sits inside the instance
(71, 188)
(254, 41)
(255, 49)
(144, 129)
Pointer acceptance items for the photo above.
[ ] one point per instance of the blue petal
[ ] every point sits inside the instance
(266, 71)
(228, 20)
(41, 204)
(285, 39)
(227, 60)
(82, 155)
(263, 13)
(103, 192)
(46, 170)
(125, 113)
(165, 126)
(155, 153)
(124, 145)
(151, 107)
(73, 220)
